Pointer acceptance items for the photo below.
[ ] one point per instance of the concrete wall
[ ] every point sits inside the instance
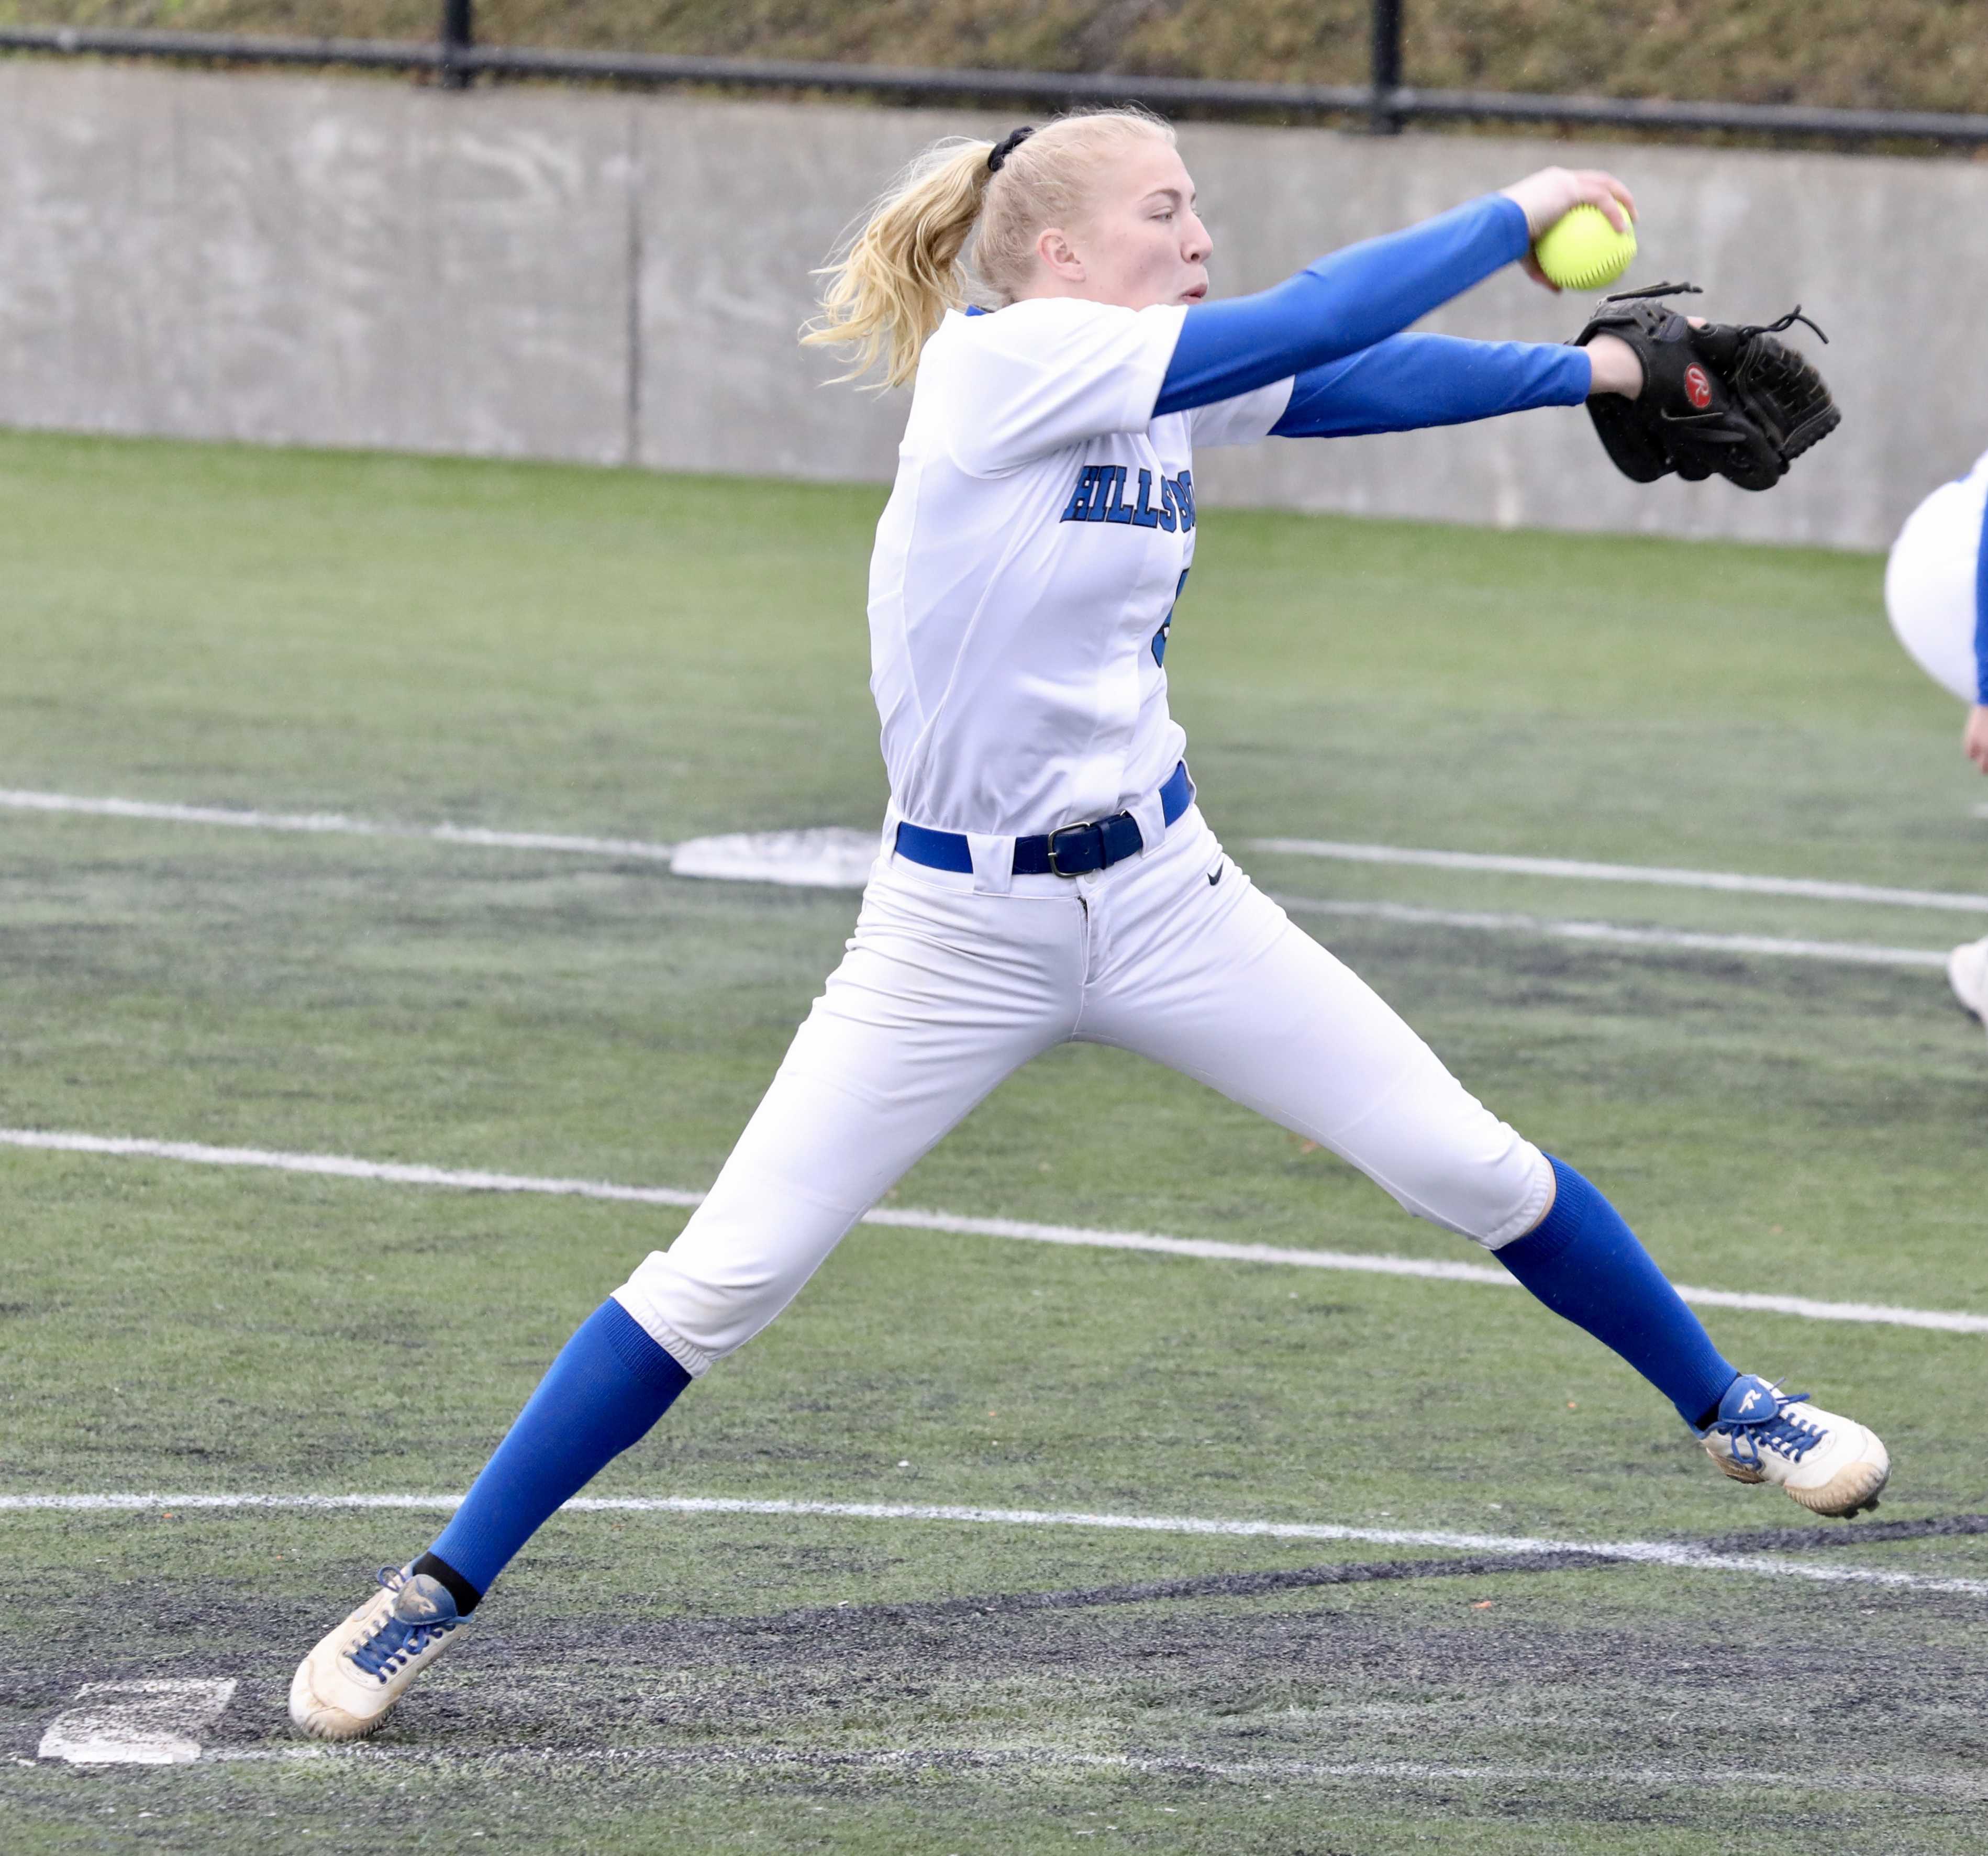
(617, 279)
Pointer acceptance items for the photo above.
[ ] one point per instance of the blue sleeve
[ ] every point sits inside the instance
(1344, 303)
(1981, 614)
(1412, 381)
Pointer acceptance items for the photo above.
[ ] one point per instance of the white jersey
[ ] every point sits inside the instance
(1042, 526)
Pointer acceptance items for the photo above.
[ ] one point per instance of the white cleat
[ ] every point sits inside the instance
(349, 1684)
(1831, 1464)
(1967, 973)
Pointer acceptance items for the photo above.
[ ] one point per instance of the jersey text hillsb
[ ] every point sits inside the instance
(1100, 494)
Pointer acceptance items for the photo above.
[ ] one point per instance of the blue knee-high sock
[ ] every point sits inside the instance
(1585, 1262)
(609, 1385)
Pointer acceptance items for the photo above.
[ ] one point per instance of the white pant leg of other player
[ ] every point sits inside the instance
(1932, 584)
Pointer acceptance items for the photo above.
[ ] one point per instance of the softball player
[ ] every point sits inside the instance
(1045, 873)
(1936, 591)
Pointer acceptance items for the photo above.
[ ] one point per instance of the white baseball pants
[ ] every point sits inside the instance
(949, 987)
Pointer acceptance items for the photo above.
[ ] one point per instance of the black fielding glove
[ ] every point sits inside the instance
(1726, 400)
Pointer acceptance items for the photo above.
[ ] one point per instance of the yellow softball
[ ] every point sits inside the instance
(1581, 251)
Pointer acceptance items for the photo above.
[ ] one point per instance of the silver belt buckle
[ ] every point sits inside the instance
(1057, 869)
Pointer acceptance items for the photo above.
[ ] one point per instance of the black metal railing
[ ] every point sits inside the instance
(458, 40)
(454, 60)
(1385, 67)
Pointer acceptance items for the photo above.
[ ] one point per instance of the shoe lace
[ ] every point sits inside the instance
(1785, 1434)
(395, 1641)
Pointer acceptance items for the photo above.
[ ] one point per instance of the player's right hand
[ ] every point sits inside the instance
(1549, 196)
(1974, 739)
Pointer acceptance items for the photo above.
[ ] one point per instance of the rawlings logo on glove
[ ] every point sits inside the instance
(1718, 399)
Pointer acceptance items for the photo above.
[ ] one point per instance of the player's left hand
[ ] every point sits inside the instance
(1717, 397)
(1617, 367)
(1974, 738)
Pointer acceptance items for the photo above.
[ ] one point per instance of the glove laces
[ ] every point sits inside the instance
(1747, 331)
(1655, 289)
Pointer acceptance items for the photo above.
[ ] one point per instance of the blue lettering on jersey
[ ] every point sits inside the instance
(1078, 507)
(1166, 630)
(1100, 496)
(1118, 512)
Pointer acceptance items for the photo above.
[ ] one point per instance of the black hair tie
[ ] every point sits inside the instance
(998, 155)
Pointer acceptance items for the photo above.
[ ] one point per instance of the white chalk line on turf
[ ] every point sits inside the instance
(1855, 953)
(332, 823)
(1813, 888)
(340, 1166)
(1679, 1556)
(941, 1758)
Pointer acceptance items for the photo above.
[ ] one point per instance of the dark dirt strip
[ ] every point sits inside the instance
(1362, 1572)
(1206, 1585)
(1851, 1533)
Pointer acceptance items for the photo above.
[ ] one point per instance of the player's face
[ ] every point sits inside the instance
(1142, 242)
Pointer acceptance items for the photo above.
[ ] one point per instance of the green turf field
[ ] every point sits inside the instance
(568, 652)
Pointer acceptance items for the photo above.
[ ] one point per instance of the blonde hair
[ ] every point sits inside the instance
(891, 283)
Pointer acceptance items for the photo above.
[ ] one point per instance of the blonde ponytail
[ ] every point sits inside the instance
(890, 285)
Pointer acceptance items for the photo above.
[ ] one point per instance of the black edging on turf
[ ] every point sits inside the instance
(1240, 1585)
(1207, 1585)
(1859, 1534)
(1364, 1572)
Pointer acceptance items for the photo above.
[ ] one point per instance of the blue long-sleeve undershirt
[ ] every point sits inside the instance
(1343, 302)
(1981, 614)
(1411, 381)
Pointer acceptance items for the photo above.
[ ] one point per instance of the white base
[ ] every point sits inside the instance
(824, 857)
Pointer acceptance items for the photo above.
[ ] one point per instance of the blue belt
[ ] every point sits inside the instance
(1069, 852)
